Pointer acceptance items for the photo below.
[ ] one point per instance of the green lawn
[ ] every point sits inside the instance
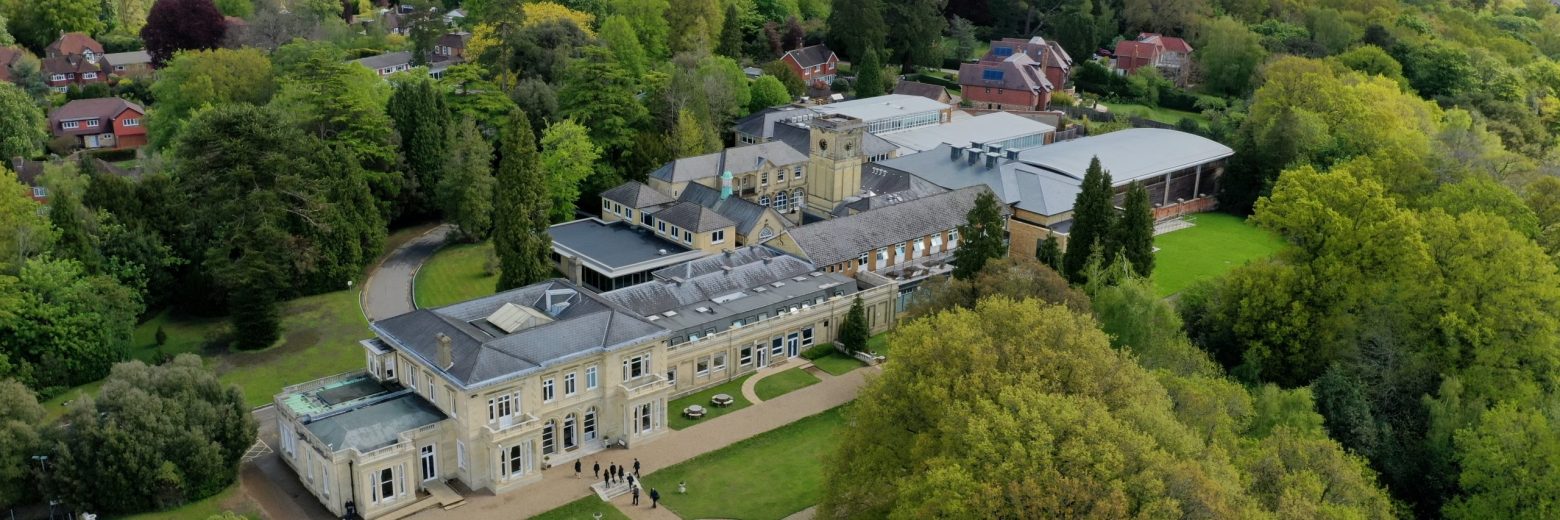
(455, 274)
(1163, 115)
(586, 509)
(732, 388)
(838, 363)
(1217, 243)
(231, 499)
(769, 476)
(783, 382)
(878, 344)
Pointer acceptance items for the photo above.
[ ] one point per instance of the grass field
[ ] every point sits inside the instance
(455, 274)
(765, 477)
(783, 382)
(231, 499)
(1163, 115)
(1217, 243)
(584, 509)
(732, 388)
(838, 363)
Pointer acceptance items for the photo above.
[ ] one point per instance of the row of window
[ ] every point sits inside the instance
(72, 76)
(714, 363)
(782, 204)
(93, 123)
(569, 384)
(763, 177)
(676, 233)
(920, 248)
(572, 432)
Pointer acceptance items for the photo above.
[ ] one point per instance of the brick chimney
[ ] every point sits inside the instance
(446, 352)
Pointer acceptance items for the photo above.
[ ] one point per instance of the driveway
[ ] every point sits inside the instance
(388, 291)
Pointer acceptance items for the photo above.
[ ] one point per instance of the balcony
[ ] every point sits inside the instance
(513, 423)
(642, 385)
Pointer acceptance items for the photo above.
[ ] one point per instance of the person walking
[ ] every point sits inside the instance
(612, 472)
(636, 466)
(655, 496)
(606, 480)
(636, 496)
(630, 481)
(595, 468)
(576, 468)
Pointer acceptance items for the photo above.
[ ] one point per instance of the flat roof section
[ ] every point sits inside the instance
(377, 425)
(617, 249)
(990, 128)
(878, 108)
(335, 395)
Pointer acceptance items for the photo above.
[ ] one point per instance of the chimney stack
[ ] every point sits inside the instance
(446, 352)
(953, 152)
(991, 159)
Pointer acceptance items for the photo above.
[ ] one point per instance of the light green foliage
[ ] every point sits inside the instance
(40, 23)
(1544, 198)
(1163, 16)
(1138, 320)
(5, 33)
(22, 125)
(471, 96)
(648, 18)
(343, 104)
(696, 25)
(1371, 60)
(1229, 54)
(619, 37)
(465, 190)
(206, 78)
(768, 92)
(693, 136)
(1484, 195)
(1017, 278)
(980, 237)
(598, 93)
(1510, 466)
(27, 231)
(239, 8)
(568, 156)
(20, 416)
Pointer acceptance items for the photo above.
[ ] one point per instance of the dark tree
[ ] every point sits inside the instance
(1049, 252)
(256, 278)
(856, 26)
(853, 329)
(177, 25)
(1134, 233)
(980, 239)
(731, 35)
(914, 31)
(869, 75)
(520, 208)
(793, 83)
(1094, 214)
(538, 100)
(423, 120)
(774, 39)
(794, 33)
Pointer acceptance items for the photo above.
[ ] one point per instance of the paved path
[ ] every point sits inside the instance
(388, 289)
(559, 487)
(752, 382)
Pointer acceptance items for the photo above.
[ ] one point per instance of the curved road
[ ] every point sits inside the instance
(388, 290)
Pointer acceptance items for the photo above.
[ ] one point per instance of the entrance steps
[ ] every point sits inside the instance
(607, 493)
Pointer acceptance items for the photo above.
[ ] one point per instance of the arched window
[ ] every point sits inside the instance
(590, 424)
(766, 234)
(568, 432)
(549, 433)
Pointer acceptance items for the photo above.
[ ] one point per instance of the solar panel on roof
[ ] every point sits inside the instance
(1002, 51)
(991, 75)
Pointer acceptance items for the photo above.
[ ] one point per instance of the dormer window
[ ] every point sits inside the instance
(70, 125)
(92, 123)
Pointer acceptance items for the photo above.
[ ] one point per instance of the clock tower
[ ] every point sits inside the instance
(835, 162)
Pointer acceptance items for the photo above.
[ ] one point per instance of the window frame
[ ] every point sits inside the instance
(549, 393)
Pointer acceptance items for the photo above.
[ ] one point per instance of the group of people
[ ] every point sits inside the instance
(616, 473)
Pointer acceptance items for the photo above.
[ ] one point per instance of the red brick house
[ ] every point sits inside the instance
(101, 123)
(74, 43)
(1169, 54)
(451, 46)
(814, 64)
(8, 58)
(73, 60)
(1016, 74)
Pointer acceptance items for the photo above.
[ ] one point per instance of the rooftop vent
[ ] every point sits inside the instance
(661, 252)
(652, 318)
(953, 153)
(558, 300)
(815, 274)
(669, 313)
(728, 297)
(971, 154)
(705, 310)
(760, 289)
(1012, 154)
(991, 159)
(800, 278)
(778, 284)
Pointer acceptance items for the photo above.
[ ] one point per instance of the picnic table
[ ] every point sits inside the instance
(722, 400)
(693, 411)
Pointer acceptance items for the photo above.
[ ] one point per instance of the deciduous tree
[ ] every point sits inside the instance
(1229, 54)
(568, 158)
(180, 25)
(648, 18)
(62, 326)
(768, 92)
(22, 125)
(198, 78)
(622, 40)
(20, 416)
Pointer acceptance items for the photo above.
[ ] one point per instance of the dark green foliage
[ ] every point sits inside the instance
(818, 351)
(793, 83)
(257, 279)
(1435, 69)
(1094, 216)
(869, 76)
(538, 99)
(914, 32)
(423, 121)
(981, 237)
(598, 93)
(160, 337)
(1134, 232)
(855, 27)
(344, 106)
(731, 34)
(153, 438)
(854, 332)
(521, 203)
(465, 192)
(1049, 252)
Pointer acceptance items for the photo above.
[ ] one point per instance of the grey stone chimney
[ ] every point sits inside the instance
(446, 352)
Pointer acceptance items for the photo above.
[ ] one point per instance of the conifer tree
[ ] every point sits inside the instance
(466, 188)
(853, 330)
(869, 75)
(731, 35)
(856, 26)
(1134, 233)
(981, 238)
(422, 119)
(1094, 215)
(1049, 252)
(520, 208)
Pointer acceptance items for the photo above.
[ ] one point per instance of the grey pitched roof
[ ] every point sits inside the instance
(485, 354)
(833, 241)
(1015, 183)
(716, 289)
(128, 58)
(635, 194)
(739, 159)
(762, 123)
(881, 187)
(743, 212)
(693, 217)
(811, 55)
(916, 88)
(389, 59)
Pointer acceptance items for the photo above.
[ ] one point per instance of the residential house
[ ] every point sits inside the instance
(75, 59)
(815, 64)
(927, 90)
(1016, 74)
(74, 44)
(1039, 184)
(454, 17)
(387, 63)
(126, 64)
(28, 173)
(100, 123)
(1169, 54)
(8, 58)
(450, 46)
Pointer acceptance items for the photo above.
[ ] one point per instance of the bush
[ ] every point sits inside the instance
(934, 80)
(820, 350)
(1062, 98)
(123, 154)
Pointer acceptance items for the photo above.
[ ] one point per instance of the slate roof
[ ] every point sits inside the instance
(916, 88)
(128, 58)
(485, 355)
(386, 60)
(693, 217)
(1016, 72)
(744, 213)
(635, 194)
(723, 286)
(811, 55)
(844, 238)
(74, 63)
(737, 160)
(993, 128)
(1169, 43)
(762, 123)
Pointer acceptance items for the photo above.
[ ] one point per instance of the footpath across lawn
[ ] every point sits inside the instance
(732, 388)
(456, 273)
(766, 477)
(1217, 243)
(783, 382)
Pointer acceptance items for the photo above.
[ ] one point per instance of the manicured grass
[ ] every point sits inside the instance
(1217, 243)
(732, 388)
(231, 499)
(320, 337)
(783, 382)
(878, 344)
(1163, 115)
(586, 509)
(837, 363)
(455, 274)
(769, 476)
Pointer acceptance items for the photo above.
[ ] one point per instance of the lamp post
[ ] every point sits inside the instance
(43, 468)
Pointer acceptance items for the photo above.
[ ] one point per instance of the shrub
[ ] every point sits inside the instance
(820, 350)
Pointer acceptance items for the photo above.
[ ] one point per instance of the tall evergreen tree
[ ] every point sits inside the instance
(520, 208)
(1134, 233)
(466, 188)
(869, 75)
(853, 329)
(914, 31)
(257, 278)
(423, 120)
(1094, 215)
(856, 26)
(1049, 252)
(980, 239)
(731, 35)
